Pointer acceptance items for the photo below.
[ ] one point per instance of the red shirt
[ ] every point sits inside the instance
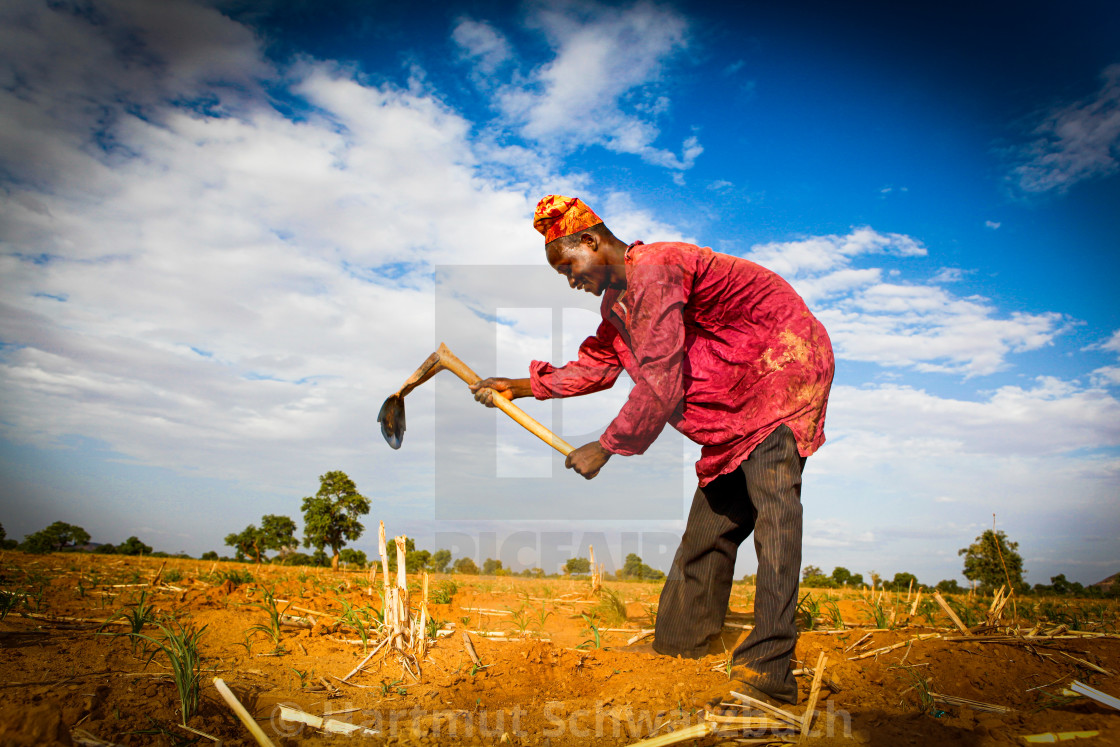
(719, 347)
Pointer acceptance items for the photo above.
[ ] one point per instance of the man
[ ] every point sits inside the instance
(727, 353)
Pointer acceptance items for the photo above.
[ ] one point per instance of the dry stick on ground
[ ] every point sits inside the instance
(1058, 736)
(892, 647)
(246, 718)
(975, 705)
(748, 722)
(640, 636)
(329, 725)
(949, 611)
(814, 693)
(767, 708)
(365, 661)
(691, 732)
(1082, 689)
(861, 640)
(469, 646)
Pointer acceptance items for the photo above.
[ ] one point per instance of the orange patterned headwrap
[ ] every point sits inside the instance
(558, 216)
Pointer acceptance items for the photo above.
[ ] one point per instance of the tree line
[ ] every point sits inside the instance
(332, 519)
(990, 562)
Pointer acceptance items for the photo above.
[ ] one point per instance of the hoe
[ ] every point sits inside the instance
(391, 415)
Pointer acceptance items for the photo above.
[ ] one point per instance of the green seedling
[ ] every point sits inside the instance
(303, 675)
(651, 614)
(9, 600)
(36, 596)
(542, 617)
(610, 608)
(593, 630)
(928, 609)
(444, 593)
(835, 619)
(520, 618)
(247, 644)
(353, 617)
(272, 629)
(878, 614)
(809, 609)
(136, 617)
(921, 686)
(966, 613)
(180, 645)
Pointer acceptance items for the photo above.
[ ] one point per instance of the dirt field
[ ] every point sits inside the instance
(555, 677)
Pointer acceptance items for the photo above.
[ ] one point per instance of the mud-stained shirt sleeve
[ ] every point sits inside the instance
(596, 368)
(654, 303)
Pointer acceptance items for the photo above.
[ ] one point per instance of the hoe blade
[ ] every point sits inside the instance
(391, 418)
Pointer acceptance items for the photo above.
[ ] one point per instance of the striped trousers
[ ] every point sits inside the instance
(764, 496)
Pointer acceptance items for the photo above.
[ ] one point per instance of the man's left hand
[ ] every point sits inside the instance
(588, 459)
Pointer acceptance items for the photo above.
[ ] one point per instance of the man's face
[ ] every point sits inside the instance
(582, 266)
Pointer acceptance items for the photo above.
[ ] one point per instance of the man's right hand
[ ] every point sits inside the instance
(508, 388)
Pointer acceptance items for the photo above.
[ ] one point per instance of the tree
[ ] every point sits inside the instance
(55, 537)
(466, 566)
(902, 581)
(352, 557)
(491, 566)
(635, 568)
(133, 546)
(330, 517)
(949, 586)
(275, 533)
(577, 565)
(814, 577)
(5, 543)
(209, 555)
(417, 560)
(841, 575)
(983, 564)
(440, 560)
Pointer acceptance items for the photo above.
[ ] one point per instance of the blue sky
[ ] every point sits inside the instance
(229, 230)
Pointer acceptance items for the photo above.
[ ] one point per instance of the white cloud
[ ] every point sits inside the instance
(1072, 143)
(482, 45)
(291, 253)
(948, 275)
(992, 224)
(814, 256)
(1112, 344)
(603, 87)
(1107, 376)
(895, 324)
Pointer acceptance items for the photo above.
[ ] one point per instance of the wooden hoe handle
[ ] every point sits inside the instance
(451, 362)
